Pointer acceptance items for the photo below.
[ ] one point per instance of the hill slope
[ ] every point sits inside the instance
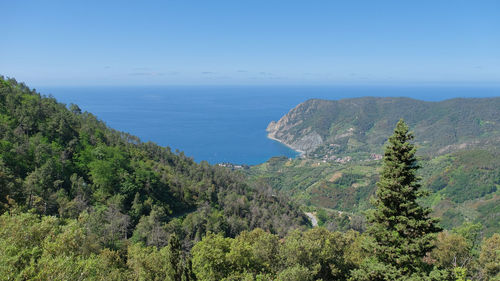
(361, 125)
(64, 162)
(458, 143)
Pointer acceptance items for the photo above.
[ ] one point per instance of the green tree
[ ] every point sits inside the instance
(150, 228)
(402, 231)
(149, 263)
(320, 251)
(254, 252)
(296, 273)
(209, 257)
(452, 250)
(175, 259)
(490, 257)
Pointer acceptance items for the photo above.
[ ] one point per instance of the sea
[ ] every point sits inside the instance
(224, 124)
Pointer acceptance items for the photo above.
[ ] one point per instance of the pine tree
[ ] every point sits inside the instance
(175, 259)
(401, 230)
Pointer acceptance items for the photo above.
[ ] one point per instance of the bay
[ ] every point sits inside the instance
(224, 123)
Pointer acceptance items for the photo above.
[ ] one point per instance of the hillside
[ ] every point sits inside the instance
(465, 186)
(61, 161)
(359, 127)
(80, 201)
(458, 144)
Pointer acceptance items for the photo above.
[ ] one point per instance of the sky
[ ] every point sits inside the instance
(269, 42)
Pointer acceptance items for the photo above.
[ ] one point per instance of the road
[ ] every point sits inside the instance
(313, 218)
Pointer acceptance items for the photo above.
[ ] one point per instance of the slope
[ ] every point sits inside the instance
(64, 162)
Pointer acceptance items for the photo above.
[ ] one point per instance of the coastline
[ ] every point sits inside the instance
(301, 152)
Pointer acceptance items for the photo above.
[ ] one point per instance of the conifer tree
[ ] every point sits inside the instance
(175, 259)
(401, 230)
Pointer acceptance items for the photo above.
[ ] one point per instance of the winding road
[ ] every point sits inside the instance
(313, 218)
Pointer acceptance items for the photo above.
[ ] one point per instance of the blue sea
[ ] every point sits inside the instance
(224, 123)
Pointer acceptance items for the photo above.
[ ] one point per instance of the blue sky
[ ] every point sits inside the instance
(50, 43)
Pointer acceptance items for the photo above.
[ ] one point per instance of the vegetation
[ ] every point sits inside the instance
(359, 127)
(80, 201)
(402, 231)
(458, 143)
(64, 162)
(37, 247)
(463, 187)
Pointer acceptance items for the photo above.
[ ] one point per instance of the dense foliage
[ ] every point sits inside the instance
(458, 144)
(35, 247)
(64, 162)
(464, 186)
(80, 201)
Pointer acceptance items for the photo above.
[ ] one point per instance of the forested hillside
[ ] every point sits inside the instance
(464, 186)
(64, 162)
(459, 150)
(80, 201)
(359, 127)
